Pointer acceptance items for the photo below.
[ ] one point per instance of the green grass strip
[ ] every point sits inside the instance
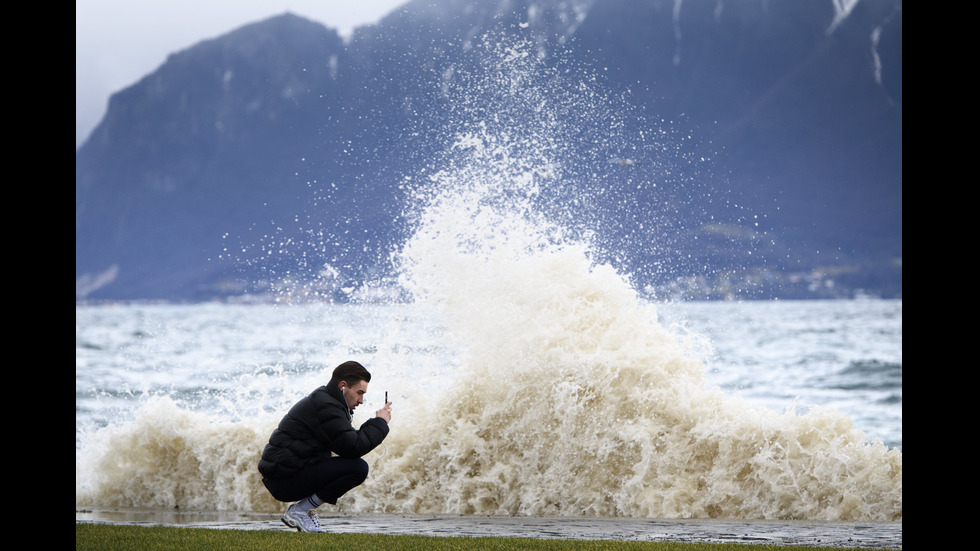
(104, 537)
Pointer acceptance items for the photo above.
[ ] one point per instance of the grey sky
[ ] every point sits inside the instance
(117, 42)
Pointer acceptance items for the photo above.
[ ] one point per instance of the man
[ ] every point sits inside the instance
(314, 456)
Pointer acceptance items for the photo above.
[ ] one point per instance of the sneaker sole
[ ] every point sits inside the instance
(289, 524)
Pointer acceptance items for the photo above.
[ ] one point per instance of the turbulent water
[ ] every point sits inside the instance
(588, 406)
(528, 378)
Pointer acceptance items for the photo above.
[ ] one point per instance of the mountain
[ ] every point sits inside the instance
(274, 155)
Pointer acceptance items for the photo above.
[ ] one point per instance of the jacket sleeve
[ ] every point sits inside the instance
(334, 430)
(348, 442)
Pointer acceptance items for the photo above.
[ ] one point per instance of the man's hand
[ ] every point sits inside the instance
(385, 412)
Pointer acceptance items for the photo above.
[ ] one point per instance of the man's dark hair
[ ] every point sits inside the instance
(350, 372)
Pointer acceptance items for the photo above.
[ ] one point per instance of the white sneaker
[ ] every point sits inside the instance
(307, 521)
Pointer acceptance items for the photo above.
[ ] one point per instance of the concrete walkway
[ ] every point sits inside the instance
(866, 535)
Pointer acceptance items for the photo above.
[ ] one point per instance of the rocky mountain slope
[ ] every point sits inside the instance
(278, 150)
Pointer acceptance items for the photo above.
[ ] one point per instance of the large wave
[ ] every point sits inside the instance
(572, 399)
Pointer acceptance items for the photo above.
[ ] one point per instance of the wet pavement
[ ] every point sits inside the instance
(865, 535)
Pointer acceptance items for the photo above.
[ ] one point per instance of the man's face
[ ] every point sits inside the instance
(354, 394)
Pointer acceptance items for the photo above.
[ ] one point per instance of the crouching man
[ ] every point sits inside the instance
(314, 455)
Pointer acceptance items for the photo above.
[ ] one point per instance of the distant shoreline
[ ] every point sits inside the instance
(259, 302)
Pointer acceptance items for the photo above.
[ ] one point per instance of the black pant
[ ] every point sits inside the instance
(328, 479)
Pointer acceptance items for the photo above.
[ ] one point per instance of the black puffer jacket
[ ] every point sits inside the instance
(318, 425)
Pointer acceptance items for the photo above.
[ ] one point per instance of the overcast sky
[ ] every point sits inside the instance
(117, 42)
